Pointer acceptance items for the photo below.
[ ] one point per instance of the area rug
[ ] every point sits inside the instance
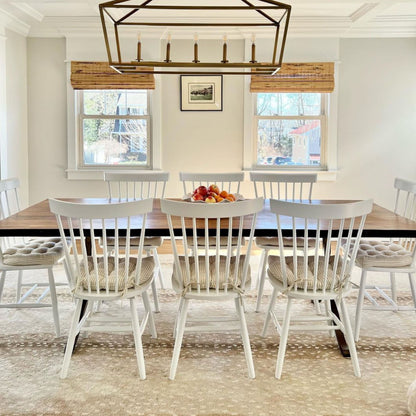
(212, 375)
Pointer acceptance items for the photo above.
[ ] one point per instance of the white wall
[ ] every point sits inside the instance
(375, 117)
(15, 146)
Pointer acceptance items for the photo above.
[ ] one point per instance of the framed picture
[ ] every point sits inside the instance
(201, 93)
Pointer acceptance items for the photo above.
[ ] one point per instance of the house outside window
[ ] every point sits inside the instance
(290, 130)
(114, 129)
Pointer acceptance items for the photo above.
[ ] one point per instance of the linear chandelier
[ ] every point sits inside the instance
(208, 18)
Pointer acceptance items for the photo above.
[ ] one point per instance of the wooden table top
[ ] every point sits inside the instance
(37, 220)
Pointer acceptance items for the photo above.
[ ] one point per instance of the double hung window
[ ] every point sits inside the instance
(290, 130)
(114, 129)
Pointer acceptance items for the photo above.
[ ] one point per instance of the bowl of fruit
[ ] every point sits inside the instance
(212, 195)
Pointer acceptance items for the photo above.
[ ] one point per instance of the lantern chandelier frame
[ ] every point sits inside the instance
(262, 14)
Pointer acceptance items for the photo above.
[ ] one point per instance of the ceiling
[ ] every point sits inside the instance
(310, 18)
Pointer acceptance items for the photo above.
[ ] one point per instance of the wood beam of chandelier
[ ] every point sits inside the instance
(249, 15)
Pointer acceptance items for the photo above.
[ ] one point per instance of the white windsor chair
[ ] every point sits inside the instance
(125, 274)
(18, 255)
(215, 277)
(282, 186)
(322, 277)
(229, 182)
(395, 256)
(134, 186)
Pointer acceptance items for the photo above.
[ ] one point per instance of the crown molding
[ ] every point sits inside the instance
(385, 26)
(11, 22)
(28, 10)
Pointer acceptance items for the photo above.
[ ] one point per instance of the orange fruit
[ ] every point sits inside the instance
(219, 199)
(224, 194)
(230, 198)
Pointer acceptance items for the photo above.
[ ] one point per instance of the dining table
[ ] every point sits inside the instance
(38, 221)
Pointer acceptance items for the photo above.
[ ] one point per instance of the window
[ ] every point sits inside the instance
(291, 130)
(114, 128)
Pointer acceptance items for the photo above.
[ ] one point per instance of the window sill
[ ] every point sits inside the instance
(323, 175)
(97, 174)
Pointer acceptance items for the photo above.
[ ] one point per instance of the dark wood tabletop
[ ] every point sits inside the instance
(37, 220)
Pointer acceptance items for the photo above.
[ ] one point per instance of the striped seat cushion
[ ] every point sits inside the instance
(212, 276)
(36, 252)
(113, 277)
(275, 272)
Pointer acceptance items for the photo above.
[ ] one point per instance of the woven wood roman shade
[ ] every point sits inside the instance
(100, 76)
(297, 77)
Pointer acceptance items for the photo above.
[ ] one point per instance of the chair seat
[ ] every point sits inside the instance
(382, 254)
(40, 251)
(287, 242)
(275, 272)
(232, 281)
(134, 241)
(113, 277)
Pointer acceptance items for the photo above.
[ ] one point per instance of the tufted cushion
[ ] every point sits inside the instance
(176, 280)
(145, 275)
(275, 271)
(134, 241)
(287, 242)
(382, 254)
(38, 251)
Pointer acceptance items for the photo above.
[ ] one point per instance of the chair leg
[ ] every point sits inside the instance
(178, 340)
(159, 268)
(71, 338)
(327, 311)
(19, 285)
(155, 296)
(283, 339)
(393, 287)
(54, 301)
(260, 268)
(175, 327)
(245, 337)
(349, 338)
(137, 338)
(413, 287)
(2, 280)
(262, 277)
(148, 309)
(269, 311)
(359, 308)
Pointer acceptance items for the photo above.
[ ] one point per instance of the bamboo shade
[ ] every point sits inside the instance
(100, 76)
(297, 77)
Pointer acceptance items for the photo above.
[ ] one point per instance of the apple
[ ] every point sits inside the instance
(198, 197)
(210, 200)
(202, 190)
(214, 194)
(214, 188)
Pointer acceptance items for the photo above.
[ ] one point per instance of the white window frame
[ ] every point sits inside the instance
(75, 169)
(322, 117)
(328, 173)
(82, 116)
